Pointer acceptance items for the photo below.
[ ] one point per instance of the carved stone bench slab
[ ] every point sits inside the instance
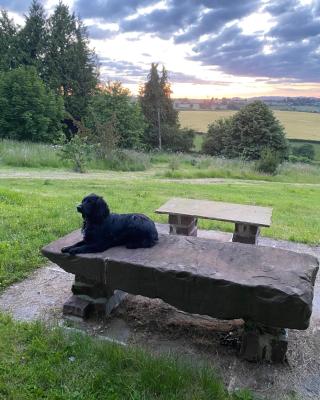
(266, 286)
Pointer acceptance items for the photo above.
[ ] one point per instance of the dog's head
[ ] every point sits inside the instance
(93, 208)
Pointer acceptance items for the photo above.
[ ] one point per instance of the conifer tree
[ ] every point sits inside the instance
(70, 64)
(33, 38)
(8, 43)
(157, 106)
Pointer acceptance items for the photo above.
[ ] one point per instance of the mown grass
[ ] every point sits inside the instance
(298, 125)
(41, 363)
(35, 212)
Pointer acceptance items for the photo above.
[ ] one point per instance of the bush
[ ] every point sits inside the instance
(305, 151)
(114, 106)
(247, 134)
(28, 110)
(126, 160)
(176, 139)
(268, 163)
(77, 150)
(299, 159)
(219, 134)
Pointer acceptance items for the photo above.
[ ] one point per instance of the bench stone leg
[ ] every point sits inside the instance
(245, 233)
(261, 343)
(183, 225)
(91, 298)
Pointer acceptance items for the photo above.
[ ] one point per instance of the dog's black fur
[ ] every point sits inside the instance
(102, 229)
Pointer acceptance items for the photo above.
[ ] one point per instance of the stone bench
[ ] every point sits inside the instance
(269, 288)
(184, 214)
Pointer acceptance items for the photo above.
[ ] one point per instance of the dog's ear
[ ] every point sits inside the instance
(102, 209)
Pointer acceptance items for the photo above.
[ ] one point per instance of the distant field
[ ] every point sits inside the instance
(298, 125)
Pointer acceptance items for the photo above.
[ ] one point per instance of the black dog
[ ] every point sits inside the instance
(102, 229)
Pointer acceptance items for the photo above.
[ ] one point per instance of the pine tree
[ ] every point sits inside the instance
(8, 43)
(70, 64)
(33, 38)
(157, 106)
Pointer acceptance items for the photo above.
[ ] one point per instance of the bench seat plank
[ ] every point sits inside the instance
(229, 212)
(270, 286)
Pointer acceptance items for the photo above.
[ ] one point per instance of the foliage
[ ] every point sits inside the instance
(268, 162)
(157, 107)
(306, 150)
(247, 134)
(32, 38)
(8, 43)
(28, 110)
(112, 110)
(70, 64)
(217, 137)
(77, 150)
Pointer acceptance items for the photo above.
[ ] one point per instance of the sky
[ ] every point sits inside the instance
(211, 48)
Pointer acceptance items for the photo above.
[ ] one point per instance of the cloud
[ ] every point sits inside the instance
(122, 69)
(180, 77)
(239, 54)
(98, 33)
(110, 10)
(18, 6)
(297, 23)
(187, 20)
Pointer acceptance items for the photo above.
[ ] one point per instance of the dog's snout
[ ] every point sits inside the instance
(79, 208)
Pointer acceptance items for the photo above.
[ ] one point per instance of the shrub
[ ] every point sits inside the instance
(28, 110)
(304, 151)
(219, 134)
(247, 134)
(268, 163)
(77, 150)
(114, 106)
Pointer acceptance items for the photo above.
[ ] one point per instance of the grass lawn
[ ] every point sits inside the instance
(38, 363)
(298, 125)
(37, 211)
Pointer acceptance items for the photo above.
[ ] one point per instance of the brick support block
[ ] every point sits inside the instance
(183, 225)
(262, 343)
(245, 233)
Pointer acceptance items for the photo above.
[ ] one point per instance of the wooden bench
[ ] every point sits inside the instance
(269, 288)
(184, 213)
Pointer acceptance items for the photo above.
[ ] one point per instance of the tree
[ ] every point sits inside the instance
(157, 106)
(33, 38)
(70, 64)
(8, 43)
(114, 106)
(247, 134)
(218, 135)
(28, 110)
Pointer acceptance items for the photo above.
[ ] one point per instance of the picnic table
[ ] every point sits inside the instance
(184, 214)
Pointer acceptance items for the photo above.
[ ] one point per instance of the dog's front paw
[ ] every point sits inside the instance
(65, 249)
(73, 251)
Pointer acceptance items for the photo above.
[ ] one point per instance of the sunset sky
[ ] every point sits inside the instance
(211, 48)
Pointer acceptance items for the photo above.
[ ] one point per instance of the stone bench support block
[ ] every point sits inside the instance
(268, 286)
(245, 233)
(264, 343)
(183, 225)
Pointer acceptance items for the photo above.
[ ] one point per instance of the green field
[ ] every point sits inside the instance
(298, 125)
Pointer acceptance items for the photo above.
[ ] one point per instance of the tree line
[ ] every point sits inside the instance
(50, 84)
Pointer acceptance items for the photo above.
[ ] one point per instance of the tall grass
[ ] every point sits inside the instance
(33, 155)
(38, 155)
(197, 167)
